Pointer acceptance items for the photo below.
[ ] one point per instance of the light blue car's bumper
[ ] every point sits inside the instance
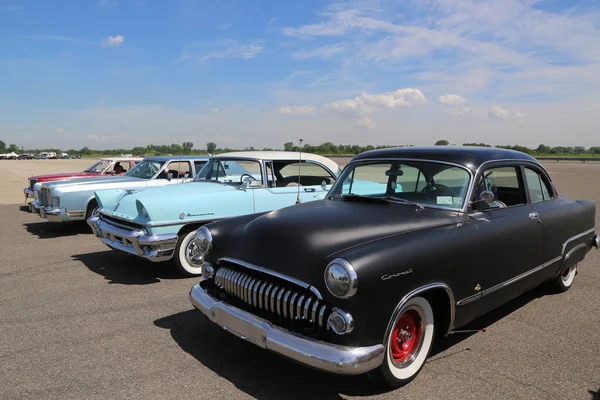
(134, 241)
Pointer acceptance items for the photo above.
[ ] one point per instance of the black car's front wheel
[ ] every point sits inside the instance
(408, 343)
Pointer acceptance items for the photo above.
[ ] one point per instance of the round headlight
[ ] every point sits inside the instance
(341, 279)
(204, 240)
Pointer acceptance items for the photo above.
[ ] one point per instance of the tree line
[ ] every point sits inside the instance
(327, 149)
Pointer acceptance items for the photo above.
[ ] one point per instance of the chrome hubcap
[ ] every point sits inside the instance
(193, 254)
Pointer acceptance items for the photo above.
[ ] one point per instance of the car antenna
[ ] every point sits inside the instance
(299, 164)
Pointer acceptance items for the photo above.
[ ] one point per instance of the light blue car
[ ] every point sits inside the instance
(160, 224)
(74, 200)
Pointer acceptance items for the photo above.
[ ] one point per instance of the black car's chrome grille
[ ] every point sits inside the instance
(45, 196)
(276, 300)
(119, 223)
(32, 183)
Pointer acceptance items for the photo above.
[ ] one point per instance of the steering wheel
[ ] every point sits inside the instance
(248, 175)
(443, 189)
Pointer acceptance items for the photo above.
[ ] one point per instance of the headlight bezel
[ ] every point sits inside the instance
(350, 272)
(206, 240)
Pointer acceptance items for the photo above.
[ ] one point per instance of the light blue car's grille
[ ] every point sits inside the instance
(119, 223)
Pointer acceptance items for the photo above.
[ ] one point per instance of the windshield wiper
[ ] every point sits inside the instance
(358, 197)
(403, 201)
(385, 199)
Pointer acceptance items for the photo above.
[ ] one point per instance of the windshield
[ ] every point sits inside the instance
(145, 169)
(99, 166)
(421, 182)
(231, 171)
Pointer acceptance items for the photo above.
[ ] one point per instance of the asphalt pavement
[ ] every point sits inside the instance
(80, 321)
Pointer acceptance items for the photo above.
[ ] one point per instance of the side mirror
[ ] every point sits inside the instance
(246, 183)
(187, 175)
(324, 185)
(487, 196)
(169, 176)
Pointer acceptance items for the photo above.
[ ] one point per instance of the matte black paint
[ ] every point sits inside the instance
(469, 252)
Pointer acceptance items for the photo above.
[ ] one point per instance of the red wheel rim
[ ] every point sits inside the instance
(406, 336)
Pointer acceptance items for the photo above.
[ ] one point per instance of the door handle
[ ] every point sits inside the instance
(535, 216)
(309, 190)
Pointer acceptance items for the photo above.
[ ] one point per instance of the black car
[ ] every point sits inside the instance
(409, 244)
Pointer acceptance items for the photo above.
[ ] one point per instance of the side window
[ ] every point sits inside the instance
(310, 174)
(178, 169)
(538, 189)
(498, 188)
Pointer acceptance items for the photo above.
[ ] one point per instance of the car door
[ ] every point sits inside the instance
(511, 234)
(290, 181)
(553, 211)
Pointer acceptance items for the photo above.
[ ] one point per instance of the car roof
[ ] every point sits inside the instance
(283, 155)
(171, 158)
(121, 158)
(471, 157)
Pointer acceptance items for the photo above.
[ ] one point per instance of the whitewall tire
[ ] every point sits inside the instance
(408, 342)
(564, 281)
(187, 256)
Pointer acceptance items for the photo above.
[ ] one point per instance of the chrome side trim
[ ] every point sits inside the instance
(477, 296)
(313, 353)
(272, 273)
(575, 238)
(418, 291)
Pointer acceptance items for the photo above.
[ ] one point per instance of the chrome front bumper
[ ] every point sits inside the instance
(35, 206)
(54, 214)
(313, 353)
(28, 193)
(155, 248)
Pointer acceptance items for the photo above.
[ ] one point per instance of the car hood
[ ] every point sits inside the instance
(164, 204)
(65, 175)
(299, 239)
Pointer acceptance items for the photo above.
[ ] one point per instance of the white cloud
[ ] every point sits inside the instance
(58, 130)
(367, 103)
(452, 100)
(498, 112)
(587, 110)
(321, 52)
(366, 122)
(458, 110)
(215, 110)
(113, 41)
(227, 48)
(507, 48)
(297, 110)
(454, 104)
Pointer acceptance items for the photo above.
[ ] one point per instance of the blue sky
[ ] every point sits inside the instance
(108, 73)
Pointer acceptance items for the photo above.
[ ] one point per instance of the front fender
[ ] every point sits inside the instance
(390, 269)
